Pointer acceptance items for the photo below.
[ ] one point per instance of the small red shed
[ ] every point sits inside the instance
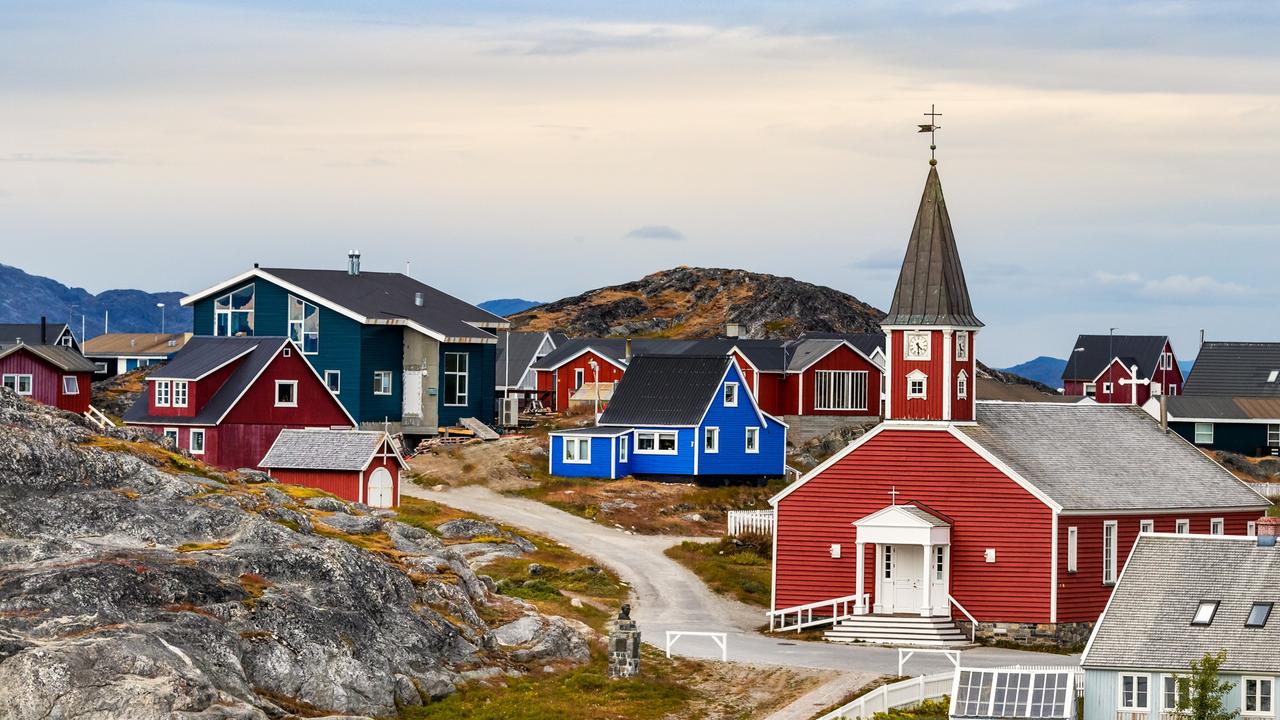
(356, 465)
(51, 374)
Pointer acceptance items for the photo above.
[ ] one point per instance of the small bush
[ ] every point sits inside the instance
(535, 589)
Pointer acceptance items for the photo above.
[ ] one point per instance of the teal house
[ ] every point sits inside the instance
(392, 349)
(1181, 597)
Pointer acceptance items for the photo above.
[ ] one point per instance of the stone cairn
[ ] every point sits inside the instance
(624, 646)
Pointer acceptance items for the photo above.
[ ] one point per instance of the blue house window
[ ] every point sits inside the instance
(731, 394)
(655, 443)
(577, 450)
(753, 440)
(304, 325)
(711, 440)
(382, 382)
(455, 378)
(622, 449)
(233, 313)
(333, 381)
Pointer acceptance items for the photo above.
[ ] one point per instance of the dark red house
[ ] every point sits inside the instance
(225, 399)
(566, 368)
(356, 465)
(52, 374)
(1123, 369)
(815, 375)
(1007, 518)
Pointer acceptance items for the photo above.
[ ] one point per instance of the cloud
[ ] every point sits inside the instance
(880, 260)
(655, 232)
(1174, 288)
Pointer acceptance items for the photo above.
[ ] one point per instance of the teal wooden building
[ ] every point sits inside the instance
(392, 349)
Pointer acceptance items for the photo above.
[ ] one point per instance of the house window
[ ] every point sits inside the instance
(333, 381)
(66, 341)
(162, 393)
(1073, 540)
(917, 385)
(622, 449)
(304, 325)
(1173, 389)
(711, 440)
(731, 394)
(1217, 526)
(840, 390)
(753, 440)
(233, 313)
(1134, 692)
(1110, 554)
(1090, 389)
(1146, 526)
(962, 346)
(100, 368)
(171, 434)
(180, 393)
(577, 450)
(382, 382)
(197, 442)
(888, 562)
(962, 385)
(20, 384)
(1258, 615)
(1273, 435)
(579, 377)
(1204, 433)
(455, 378)
(1183, 527)
(1170, 693)
(288, 352)
(286, 393)
(939, 563)
(1257, 696)
(653, 442)
(1205, 612)
(1106, 388)
(70, 385)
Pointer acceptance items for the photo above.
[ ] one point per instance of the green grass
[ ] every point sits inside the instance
(926, 710)
(737, 567)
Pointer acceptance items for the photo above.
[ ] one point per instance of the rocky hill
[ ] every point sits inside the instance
(698, 302)
(27, 297)
(136, 583)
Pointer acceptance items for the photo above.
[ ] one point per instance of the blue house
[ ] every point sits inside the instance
(392, 349)
(1179, 598)
(687, 415)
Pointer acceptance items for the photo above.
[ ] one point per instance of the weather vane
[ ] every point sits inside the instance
(932, 127)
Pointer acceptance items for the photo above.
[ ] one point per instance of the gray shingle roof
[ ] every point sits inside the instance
(1104, 458)
(202, 355)
(766, 355)
(516, 351)
(63, 358)
(323, 449)
(1235, 368)
(1099, 350)
(1148, 622)
(923, 514)
(666, 390)
(29, 333)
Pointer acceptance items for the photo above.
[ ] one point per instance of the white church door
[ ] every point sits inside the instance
(904, 571)
(380, 489)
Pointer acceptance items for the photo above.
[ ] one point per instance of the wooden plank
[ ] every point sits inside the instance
(482, 431)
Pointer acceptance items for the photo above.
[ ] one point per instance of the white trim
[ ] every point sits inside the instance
(465, 395)
(624, 448)
(579, 378)
(711, 432)
(263, 369)
(613, 457)
(731, 366)
(578, 442)
(962, 380)
(833, 348)
(186, 393)
(1073, 550)
(724, 392)
(919, 375)
(615, 433)
(1084, 656)
(675, 450)
(746, 436)
(390, 384)
(1182, 523)
(853, 379)
(191, 441)
(211, 371)
(886, 385)
(1143, 525)
(1053, 571)
(17, 377)
(338, 373)
(168, 393)
(1136, 709)
(302, 324)
(75, 380)
(1111, 555)
(1221, 523)
(947, 381)
(1002, 467)
(177, 434)
(906, 345)
(1114, 360)
(286, 383)
(580, 353)
(1244, 697)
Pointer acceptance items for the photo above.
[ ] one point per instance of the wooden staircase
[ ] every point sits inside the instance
(898, 630)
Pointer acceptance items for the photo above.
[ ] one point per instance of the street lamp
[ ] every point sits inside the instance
(595, 379)
(161, 306)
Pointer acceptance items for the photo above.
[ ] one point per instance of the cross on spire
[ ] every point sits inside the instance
(893, 495)
(932, 127)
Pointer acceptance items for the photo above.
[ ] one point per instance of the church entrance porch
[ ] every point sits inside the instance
(912, 562)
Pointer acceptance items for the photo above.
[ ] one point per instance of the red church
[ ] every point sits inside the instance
(956, 516)
(225, 399)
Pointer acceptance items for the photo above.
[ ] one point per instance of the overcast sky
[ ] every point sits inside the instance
(1105, 165)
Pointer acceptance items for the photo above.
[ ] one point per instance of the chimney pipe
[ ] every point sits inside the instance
(1164, 413)
(44, 330)
(1201, 337)
(353, 263)
(628, 357)
(417, 299)
(1267, 528)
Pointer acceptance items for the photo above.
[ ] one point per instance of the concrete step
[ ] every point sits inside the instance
(898, 630)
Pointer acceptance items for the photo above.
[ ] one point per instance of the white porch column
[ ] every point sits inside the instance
(926, 583)
(860, 607)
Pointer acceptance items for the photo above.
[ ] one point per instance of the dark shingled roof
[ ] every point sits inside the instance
(1099, 350)
(867, 342)
(323, 449)
(1240, 369)
(29, 333)
(63, 358)
(204, 354)
(766, 355)
(1207, 407)
(616, 348)
(1147, 624)
(666, 390)
(516, 350)
(931, 287)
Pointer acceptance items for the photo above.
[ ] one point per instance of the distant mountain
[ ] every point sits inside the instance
(1044, 369)
(508, 306)
(26, 297)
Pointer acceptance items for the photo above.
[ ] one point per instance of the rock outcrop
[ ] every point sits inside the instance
(137, 584)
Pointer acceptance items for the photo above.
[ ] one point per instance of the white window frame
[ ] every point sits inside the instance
(100, 367)
(162, 398)
(382, 382)
(287, 352)
(1146, 526)
(730, 402)
(14, 382)
(75, 385)
(1107, 388)
(191, 441)
(751, 441)
(1089, 389)
(185, 387)
(293, 393)
(462, 379)
(928, 345)
(1110, 551)
(578, 443)
(230, 313)
(1182, 526)
(300, 324)
(579, 378)
(962, 346)
(657, 441)
(1169, 693)
(1273, 435)
(1173, 389)
(711, 440)
(1217, 526)
(939, 563)
(1251, 528)
(840, 389)
(1135, 707)
(334, 387)
(1073, 549)
(173, 433)
(912, 378)
(66, 341)
(1203, 433)
(962, 385)
(622, 448)
(1256, 697)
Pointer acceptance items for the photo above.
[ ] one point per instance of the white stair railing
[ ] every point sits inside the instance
(99, 420)
(973, 622)
(804, 616)
(895, 695)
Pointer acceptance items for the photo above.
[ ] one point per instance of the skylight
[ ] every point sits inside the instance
(1205, 612)
(1258, 615)
(1273, 375)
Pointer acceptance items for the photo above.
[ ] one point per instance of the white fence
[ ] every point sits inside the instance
(1269, 489)
(894, 695)
(755, 522)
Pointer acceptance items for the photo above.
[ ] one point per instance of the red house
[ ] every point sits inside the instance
(1010, 519)
(356, 465)
(1123, 369)
(816, 375)
(566, 368)
(225, 399)
(52, 374)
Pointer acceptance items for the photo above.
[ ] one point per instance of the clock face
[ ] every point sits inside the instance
(918, 345)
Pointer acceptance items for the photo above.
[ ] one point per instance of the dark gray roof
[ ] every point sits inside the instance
(323, 449)
(391, 296)
(766, 355)
(63, 358)
(616, 348)
(866, 342)
(29, 333)
(666, 390)
(1204, 407)
(1147, 624)
(1105, 457)
(1099, 350)
(516, 351)
(610, 431)
(931, 287)
(204, 354)
(1235, 368)
(924, 514)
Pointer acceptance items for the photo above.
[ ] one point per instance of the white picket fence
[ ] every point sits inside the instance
(895, 695)
(1269, 489)
(754, 522)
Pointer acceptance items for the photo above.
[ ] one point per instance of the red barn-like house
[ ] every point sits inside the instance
(1122, 369)
(225, 399)
(814, 375)
(1010, 518)
(356, 465)
(51, 374)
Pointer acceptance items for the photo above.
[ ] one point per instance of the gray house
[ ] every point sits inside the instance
(1178, 598)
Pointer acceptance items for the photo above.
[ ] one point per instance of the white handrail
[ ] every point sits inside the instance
(840, 610)
(973, 622)
(895, 695)
(98, 418)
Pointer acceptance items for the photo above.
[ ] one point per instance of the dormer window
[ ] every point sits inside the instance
(162, 393)
(1205, 612)
(1258, 615)
(917, 385)
(731, 394)
(962, 385)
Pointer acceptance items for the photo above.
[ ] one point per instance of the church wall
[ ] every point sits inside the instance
(930, 407)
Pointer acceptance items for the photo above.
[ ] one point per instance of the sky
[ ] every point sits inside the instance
(1105, 164)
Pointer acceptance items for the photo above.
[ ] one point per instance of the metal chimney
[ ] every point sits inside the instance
(417, 299)
(628, 355)
(353, 263)
(1164, 413)
(44, 330)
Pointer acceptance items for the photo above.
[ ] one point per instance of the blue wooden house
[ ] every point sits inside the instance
(392, 349)
(686, 415)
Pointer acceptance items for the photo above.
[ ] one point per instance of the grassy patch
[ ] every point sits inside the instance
(165, 460)
(737, 567)
(202, 547)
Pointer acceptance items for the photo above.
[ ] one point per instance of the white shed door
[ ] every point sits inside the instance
(380, 489)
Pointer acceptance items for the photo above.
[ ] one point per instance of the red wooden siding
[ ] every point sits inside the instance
(317, 407)
(988, 510)
(46, 381)
(841, 358)
(564, 385)
(392, 467)
(962, 408)
(1121, 394)
(1171, 376)
(343, 483)
(930, 407)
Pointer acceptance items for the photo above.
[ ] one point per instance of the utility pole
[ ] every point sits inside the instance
(161, 306)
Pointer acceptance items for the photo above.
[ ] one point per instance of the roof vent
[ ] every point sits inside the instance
(133, 342)
(417, 299)
(353, 263)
